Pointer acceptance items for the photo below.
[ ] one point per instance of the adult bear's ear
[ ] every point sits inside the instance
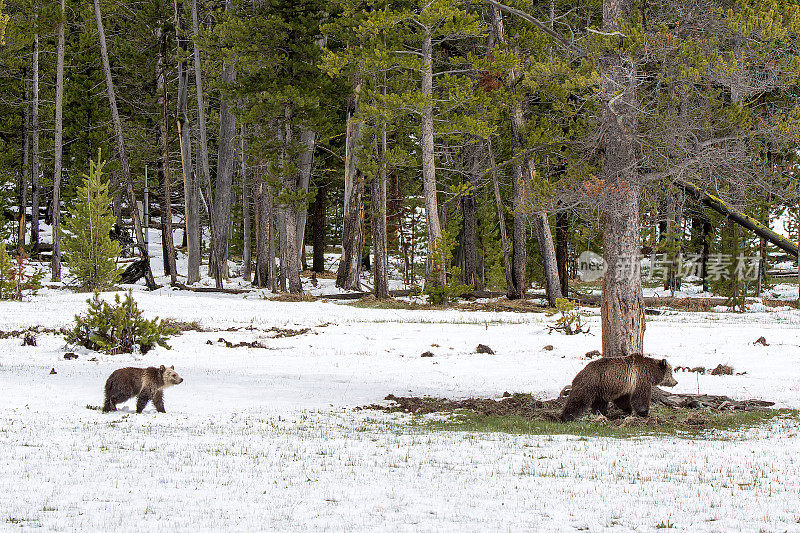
(663, 364)
(173, 367)
(162, 368)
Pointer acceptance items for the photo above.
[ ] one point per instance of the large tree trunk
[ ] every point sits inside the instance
(622, 306)
(35, 137)
(58, 148)
(265, 262)
(164, 177)
(379, 239)
(501, 219)
(290, 211)
(319, 228)
(349, 272)
(190, 185)
(435, 271)
(121, 151)
(246, 237)
(23, 182)
(548, 252)
(224, 182)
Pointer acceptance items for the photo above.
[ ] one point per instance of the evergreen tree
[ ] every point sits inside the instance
(88, 249)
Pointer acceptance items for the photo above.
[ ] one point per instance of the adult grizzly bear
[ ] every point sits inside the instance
(145, 383)
(626, 381)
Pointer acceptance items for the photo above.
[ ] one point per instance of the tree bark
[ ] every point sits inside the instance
(164, 175)
(622, 306)
(349, 271)
(121, 151)
(469, 213)
(263, 234)
(290, 211)
(224, 182)
(246, 236)
(319, 228)
(548, 253)
(58, 148)
(436, 272)
(35, 136)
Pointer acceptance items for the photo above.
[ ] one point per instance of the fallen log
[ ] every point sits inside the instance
(183, 287)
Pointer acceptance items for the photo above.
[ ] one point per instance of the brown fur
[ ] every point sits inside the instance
(626, 381)
(145, 383)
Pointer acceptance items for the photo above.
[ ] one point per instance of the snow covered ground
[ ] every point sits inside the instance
(265, 439)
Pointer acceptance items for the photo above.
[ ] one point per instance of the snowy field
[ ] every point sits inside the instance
(266, 439)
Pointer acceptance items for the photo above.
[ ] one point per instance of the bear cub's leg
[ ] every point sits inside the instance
(141, 401)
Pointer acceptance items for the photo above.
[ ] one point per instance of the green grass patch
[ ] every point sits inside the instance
(682, 423)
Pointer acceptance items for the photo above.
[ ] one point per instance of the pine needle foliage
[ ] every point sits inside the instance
(118, 328)
(88, 249)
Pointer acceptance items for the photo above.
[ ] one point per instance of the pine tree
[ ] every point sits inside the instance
(88, 249)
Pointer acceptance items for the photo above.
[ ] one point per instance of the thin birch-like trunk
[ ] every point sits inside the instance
(58, 149)
(167, 243)
(121, 151)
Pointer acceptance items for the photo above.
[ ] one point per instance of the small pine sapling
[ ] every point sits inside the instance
(88, 249)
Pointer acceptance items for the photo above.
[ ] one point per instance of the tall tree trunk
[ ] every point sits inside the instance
(121, 151)
(246, 237)
(224, 183)
(548, 252)
(58, 146)
(622, 303)
(379, 239)
(562, 250)
(23, 182)
(290, 211)
(273, 222)
(190, 183)
(436, 272)
(519, 259)
(319, 228)
(164, 175)
(501, 219)
(349, 272)
(35, 136)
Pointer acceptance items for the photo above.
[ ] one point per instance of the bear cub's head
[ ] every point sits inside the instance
(668, 380)
(171, 377)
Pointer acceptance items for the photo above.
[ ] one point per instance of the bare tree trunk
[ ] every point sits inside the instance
(35, 137)
(273, 218)
(562, 251)
(379, 239)
(501, 218)
(190, 185)
(224, 182)
(622, 305)
(58, 148)
(436, 272)
(164, 175)
(319, 228)
(349, 272)
(23, 182)
(548, 252)
(290, 211)
(246, 237)
(121, 151)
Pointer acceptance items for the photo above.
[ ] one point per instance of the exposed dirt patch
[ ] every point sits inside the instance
(679, 411)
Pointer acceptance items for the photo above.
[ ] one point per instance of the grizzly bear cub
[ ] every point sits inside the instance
(626, 381)
(145, 383)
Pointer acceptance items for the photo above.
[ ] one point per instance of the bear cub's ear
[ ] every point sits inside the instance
(663, 364)
(173, 367)
(162, 368)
